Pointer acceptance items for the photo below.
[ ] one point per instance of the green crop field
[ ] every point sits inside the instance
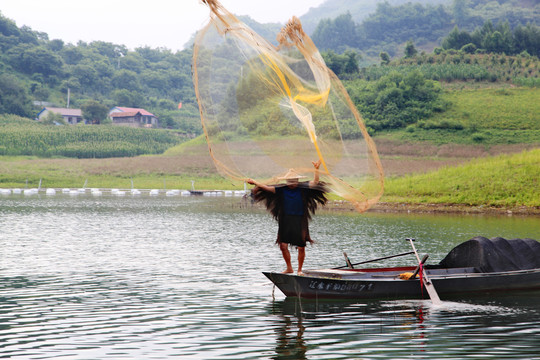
(20, 136)
(458, 66)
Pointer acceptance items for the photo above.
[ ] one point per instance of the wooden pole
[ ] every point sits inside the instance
(378, 259)
(349, 265)
(427, 282)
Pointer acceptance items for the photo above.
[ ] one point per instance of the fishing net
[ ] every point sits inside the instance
(269, 108)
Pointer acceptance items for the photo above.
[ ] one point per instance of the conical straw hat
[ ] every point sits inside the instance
(291, 175)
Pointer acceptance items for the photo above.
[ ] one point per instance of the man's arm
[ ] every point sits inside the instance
(315, 181)
(268, 188)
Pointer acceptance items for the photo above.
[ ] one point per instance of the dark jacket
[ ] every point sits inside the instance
(312, 197)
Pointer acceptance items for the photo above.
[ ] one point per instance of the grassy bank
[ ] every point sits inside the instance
(146, 172)
(503, 181)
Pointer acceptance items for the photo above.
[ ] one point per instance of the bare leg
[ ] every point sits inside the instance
(301, 257)
(287, 257)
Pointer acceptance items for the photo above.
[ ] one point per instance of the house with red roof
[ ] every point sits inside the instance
(134, 117)
(71, 116)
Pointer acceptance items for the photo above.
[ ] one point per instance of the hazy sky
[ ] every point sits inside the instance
(134, 23)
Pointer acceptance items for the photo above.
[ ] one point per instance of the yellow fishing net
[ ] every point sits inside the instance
(266, 109)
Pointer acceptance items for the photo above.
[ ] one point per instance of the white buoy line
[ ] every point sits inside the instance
(120, 192)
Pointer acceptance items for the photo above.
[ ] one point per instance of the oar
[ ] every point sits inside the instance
(429, 286)
(378, 259)
(349, 265)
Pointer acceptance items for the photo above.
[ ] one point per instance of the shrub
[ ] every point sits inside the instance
(478, 137)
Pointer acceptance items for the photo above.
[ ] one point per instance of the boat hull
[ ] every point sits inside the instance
(385, 283)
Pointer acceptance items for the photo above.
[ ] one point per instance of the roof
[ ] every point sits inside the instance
(63, 111)
(125, 114)
(128, 109)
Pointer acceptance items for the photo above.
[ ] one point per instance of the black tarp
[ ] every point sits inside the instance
(494, 255)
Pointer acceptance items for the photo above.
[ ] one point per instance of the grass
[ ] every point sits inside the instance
(501, 181)
(147, 172)
(486, 116)
(494, 109)
(484, 137)
(505, 181)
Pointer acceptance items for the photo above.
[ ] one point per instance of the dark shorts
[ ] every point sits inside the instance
(291, 231)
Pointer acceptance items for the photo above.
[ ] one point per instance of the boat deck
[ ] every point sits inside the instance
(381, 273)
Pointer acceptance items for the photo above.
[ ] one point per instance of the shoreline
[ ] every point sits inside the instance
(384, 207)
(380, 207)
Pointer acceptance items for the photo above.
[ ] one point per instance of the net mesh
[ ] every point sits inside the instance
(266, 109)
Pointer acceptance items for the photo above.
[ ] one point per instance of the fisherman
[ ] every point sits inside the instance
(292, 205)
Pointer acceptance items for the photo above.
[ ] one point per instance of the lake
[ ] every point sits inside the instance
(85, 277)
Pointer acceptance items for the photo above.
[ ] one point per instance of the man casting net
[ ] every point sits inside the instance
(267, 109)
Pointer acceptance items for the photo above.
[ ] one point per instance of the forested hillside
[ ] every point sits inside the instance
(389, 27)
(359, 10)
(384, 58)
(34, 68)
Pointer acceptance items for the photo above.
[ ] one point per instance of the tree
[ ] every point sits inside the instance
(351, 65)
(410, 50)
(456, 39)
(396, 24)
(31, 59)
(126, 79)
(395, 100)
(8, 27)
(336, 34)
(123, 97)
(14, 96)
(342, 64)
(107, 49)
(94, 112)
(71, 54)
(385, 58)
(53, 118)
(55, 45)
(460, 10)
(86, 74)
(469, 48)
(527, 38)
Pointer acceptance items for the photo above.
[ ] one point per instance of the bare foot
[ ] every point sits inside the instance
(300, 273)
(288, 271)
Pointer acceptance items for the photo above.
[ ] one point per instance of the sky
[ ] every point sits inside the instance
(138, 23)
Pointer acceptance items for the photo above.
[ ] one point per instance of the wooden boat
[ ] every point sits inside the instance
(475, 267)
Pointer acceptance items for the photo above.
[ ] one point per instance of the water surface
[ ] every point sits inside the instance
(180, 277)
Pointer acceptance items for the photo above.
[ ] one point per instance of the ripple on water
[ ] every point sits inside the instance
(117, 278)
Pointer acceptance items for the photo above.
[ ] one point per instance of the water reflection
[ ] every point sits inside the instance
(474, 328)
(290, 342)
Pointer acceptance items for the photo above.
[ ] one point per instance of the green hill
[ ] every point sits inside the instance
(486, 116)
(507, 181)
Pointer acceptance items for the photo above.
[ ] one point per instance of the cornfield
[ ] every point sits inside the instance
(24, 137)
(519, 70)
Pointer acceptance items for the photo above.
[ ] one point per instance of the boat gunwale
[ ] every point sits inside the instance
(431, 272)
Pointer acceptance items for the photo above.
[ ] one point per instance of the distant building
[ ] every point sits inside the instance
(71, 116)
(133, 117)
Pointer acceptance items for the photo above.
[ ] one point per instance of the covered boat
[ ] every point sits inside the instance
(477, 266)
